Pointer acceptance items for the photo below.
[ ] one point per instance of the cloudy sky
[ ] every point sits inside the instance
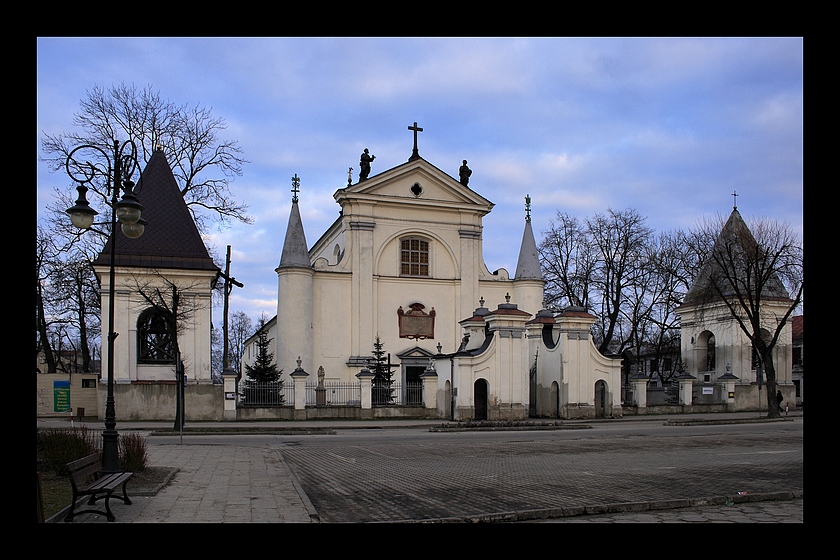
(670, 127)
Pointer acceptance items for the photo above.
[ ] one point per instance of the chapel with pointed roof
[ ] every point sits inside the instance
(716, 354)
(168, 258)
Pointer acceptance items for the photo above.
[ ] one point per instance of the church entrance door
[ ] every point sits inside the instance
(480, 399)
(554, 401)
(600, 399)
(414, 385)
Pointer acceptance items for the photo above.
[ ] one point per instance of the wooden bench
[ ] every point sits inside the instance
(87, 479)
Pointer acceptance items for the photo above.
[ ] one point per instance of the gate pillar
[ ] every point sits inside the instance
(366, 381)
(640, 390)
(299, 377)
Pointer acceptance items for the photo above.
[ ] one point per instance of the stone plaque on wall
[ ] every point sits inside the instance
(416, 323)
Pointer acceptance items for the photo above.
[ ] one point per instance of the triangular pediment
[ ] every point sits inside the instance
(416, 182)
(415, 352)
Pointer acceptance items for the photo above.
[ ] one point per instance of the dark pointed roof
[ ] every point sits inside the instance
(295, 251)
(734, 231)
(171, 238)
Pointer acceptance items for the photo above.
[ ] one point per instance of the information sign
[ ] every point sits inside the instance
(61, 396)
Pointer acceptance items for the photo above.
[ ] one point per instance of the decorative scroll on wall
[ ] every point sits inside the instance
(416, 323)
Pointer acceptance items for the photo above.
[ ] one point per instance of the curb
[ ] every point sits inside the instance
(724, 421)
(508, 428)
(625, 507)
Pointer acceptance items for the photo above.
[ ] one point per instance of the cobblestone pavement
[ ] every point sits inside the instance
(481, 478)
(414, 476)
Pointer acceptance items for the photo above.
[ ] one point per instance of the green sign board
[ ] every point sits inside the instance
(61, 396)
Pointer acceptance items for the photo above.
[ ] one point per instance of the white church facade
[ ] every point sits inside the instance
(403, 264)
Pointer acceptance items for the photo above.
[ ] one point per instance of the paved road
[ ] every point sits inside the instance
(422, 477)
(408, 474)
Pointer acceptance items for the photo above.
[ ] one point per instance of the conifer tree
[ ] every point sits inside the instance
(383, 393)
(264, 370)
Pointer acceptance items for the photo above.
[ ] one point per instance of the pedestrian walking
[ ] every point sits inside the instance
(779, 399)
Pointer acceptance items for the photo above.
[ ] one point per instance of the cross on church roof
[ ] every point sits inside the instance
(415, 154)
(528, 208)
(734, 200)
(295, 187)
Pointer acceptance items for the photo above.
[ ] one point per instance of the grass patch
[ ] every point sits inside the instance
(56, 447)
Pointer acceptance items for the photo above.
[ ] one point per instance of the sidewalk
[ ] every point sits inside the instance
(344, 424)
(247, 484)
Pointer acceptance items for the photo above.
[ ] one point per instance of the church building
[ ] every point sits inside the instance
(403, 264)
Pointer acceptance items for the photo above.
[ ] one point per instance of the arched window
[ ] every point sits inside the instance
(156, 341)
(414, 257)
(756, 355)
(710, 353)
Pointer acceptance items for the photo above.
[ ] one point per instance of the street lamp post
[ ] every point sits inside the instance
(117, 172)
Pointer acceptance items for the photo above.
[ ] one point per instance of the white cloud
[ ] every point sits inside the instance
(668, 126)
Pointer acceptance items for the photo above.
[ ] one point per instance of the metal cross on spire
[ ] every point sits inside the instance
(295, 187)
(734, 200)
(415, 154)
(528, 208)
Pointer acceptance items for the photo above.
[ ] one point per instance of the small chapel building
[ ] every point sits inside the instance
(164, 274)
(720, 363)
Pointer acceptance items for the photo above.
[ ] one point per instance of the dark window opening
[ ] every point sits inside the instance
(156, 338)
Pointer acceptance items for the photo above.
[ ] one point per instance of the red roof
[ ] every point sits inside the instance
(796, 325)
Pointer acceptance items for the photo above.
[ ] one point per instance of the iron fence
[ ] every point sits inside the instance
(331, 394)
(334, 393)
(276, 393)
(396, 394)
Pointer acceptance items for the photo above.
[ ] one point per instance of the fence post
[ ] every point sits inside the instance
(365, 378)
(728, 381)
(640, 390)
(299, 377)
(686, 381)
(229, 378)
(430, 377)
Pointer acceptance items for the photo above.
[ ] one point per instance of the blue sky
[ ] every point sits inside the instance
(670, 127)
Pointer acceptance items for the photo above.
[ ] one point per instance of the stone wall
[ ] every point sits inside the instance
(81, 396)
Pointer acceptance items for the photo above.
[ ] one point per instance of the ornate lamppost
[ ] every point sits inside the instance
(116, 169)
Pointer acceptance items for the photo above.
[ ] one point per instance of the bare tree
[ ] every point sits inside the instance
(44, 252)
(202, 162)
(669, 283)
(80, 303)
(599, 265)
(620, 239)
(757, 273)
(241, 327)
(568, 261)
